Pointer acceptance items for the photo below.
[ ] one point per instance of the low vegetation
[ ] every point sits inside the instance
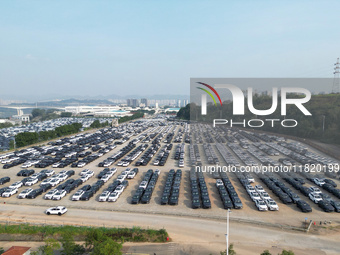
(136, 115)
(99, 241)
(28, 138)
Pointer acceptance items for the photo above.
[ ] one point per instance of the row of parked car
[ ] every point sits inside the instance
(172, 187)
(228, 194)
(199, 191)
(144, 192)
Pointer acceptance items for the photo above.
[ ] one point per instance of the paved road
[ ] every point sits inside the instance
(189, 235)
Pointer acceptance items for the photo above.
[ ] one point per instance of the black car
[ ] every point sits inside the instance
(136, 199)
(41, 176)
(328, 187)
(336, 205)
(173, 200)
(196, 203)
(86, 187)
(2, 190)
(87, 195)
(331, 182)
(304, 206)
(146, 198)
(326, 206)
(227, 204)
(285, 198)
(206, 204)
(336, 192)
(305, 191)
(27, 172)
(46, 187)
(70, 173)
(35, 193)
(3, 180)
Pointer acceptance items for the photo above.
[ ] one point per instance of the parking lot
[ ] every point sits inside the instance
(130, 143)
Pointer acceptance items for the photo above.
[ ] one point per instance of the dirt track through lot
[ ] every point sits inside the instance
(200, 236)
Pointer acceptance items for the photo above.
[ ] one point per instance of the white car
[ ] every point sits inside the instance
(272, 205)
(9, 192)
(126, 163)
(81, 164)
(58, 210)
(105, 178)
(84, 178)
(121, 178)
(255, 196)
(84, 172)
(120, 189)
(55, 165)
(90, 173)
(157, 171)
(50, 194)
(25, 192)
(16, 185)
(54, 182)
(249, 189)
(143, 184)
(35, 175)
(315, 197)
(104, 196)
(315, 190)
(219, 182)
(264, 195)
(318, 181)
(120, 163)
(124, 173)
(76, 196)
(110, 174)
(47, 181)
(181, 163)
(31, 181)
(108, 163)
(49, 172)
(62, 177)
(131, 175)
(113, 197)
(59, 195)
(114, 170)
(261, 205)
(259, 188)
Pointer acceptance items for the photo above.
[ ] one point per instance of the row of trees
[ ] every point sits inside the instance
(95, 243)
(6, 125)
(136, 115)
(323, 125)
(97, 124)
(42, 114)
(28, 138)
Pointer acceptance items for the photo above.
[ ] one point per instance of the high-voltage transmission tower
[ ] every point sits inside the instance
(336, 81)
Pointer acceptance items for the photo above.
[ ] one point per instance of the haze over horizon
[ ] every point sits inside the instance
(144, 48)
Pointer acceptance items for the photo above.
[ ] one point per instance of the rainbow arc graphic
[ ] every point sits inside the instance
(209, 93)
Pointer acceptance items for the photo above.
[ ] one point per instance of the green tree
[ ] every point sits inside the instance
(107, 247)
(266, 252)
(285, 252)
(95, 124)
(230, 250)
(26, 138)
(50, 246)
(69, 246)
(37, 112)
(2, 250)
(66, 114)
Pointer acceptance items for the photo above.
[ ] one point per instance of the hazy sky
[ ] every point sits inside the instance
(154, 47)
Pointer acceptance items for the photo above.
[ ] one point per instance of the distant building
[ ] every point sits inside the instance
(128, 102)
(18, 250)
(179, 103)
(144, 101)
(134, 103)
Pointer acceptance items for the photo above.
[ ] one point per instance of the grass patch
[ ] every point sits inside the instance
(117, 234)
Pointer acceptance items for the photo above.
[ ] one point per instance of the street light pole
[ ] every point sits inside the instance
(227, 235)
(323, 123)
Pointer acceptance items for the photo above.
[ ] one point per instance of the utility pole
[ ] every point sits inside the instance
(336, 81)
(227, 235)
(323, 123)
